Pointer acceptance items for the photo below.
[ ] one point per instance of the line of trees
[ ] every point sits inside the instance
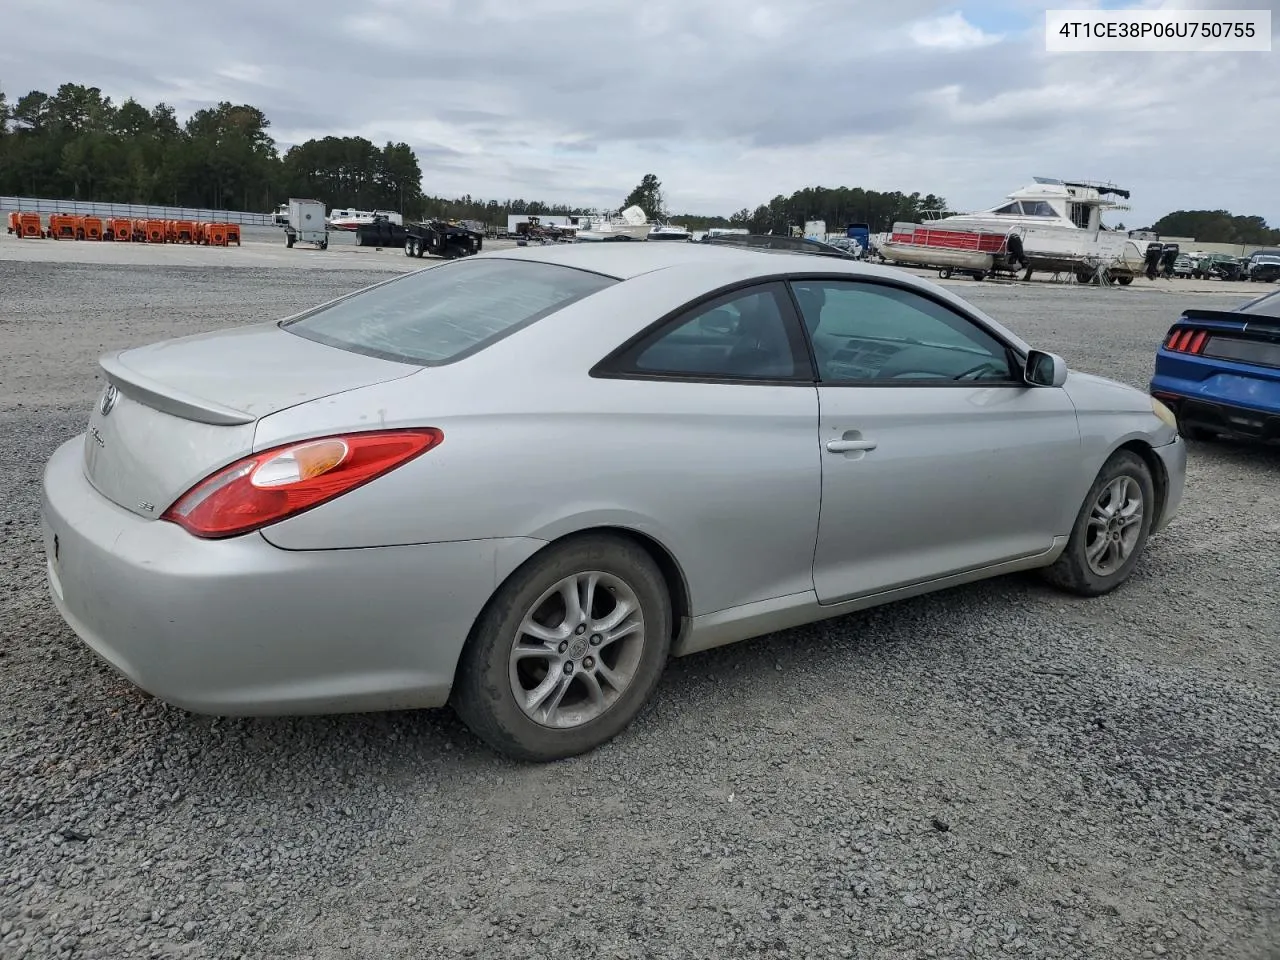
(76, 144)
(1217, 226)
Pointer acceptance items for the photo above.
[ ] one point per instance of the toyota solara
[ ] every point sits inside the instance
(517, 483)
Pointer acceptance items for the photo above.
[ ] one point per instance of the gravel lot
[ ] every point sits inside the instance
(996, 770)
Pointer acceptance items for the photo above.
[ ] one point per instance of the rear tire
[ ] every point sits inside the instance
(1111, 529)
(597, 676)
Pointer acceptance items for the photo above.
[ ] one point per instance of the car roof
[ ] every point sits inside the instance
(1267, 305)
(626, 259)
(718, 264)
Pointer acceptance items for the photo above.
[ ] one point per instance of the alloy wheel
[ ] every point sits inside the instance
(577, 649)
(1115, 524)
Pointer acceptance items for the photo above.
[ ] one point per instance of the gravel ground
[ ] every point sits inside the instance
(996, 770)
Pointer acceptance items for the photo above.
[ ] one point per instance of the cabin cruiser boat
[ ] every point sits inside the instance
(670, 231)
(631, 224)
(1050, 225)
(347, 219)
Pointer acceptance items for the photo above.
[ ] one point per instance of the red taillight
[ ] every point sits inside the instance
(1186, 340)
(284, 481)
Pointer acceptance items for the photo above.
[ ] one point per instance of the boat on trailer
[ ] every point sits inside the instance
(351, 220)
(1049, 226)
(670, 231)
(631, 224)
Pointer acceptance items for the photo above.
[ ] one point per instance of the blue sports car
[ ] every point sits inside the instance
(1219, 371)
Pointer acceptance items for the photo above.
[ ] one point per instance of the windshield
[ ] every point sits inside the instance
(444, 313)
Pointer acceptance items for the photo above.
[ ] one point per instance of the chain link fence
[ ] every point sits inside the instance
(133, 211)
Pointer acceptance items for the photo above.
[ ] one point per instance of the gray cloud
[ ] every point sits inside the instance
(729, 101)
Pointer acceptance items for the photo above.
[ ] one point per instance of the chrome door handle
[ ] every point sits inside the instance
(849, 446)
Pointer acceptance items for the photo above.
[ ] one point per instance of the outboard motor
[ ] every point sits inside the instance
(1017, 254)
(1152, 266)
(1167, 258)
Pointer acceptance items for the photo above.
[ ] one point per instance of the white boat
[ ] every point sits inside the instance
(631, 224)
(347, 219)
(1057, 225)
(670, 231)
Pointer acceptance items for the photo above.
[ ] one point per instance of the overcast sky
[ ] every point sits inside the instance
(729, 102)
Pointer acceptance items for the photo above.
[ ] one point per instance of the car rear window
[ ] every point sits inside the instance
(444, 313)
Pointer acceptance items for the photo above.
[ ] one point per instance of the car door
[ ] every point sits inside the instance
(937, 457)
(721, 402)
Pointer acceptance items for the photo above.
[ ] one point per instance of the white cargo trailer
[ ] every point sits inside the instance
(306, 223)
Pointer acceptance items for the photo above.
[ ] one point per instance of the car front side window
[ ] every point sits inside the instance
(876, 334)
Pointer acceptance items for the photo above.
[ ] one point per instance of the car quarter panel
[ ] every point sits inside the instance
(201, 625)
(1110, 415)
(726, 476)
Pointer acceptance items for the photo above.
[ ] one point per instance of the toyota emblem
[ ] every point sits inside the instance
(109, 397)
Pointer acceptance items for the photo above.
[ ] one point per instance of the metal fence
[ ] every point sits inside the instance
(134, 211)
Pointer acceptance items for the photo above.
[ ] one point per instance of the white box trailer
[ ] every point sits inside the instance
(306, 223)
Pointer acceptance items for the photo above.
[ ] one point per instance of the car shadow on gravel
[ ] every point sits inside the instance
(433, 742)
(1239, 453)
(889, 640)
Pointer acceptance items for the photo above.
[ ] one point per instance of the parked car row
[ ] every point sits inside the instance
(1262, 266)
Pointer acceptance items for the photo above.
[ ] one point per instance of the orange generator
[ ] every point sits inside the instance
(29, 226)
(63, 226)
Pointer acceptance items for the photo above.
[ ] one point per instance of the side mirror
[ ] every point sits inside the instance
(1045, 369)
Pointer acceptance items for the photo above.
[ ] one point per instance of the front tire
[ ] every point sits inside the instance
(567, 651)
(1110, 531)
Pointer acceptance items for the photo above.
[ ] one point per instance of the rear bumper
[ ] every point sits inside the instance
(1239, 422)
(1237, 402)
(1228, 419)
(240, 627)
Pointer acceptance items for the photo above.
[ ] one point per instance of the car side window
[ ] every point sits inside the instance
(874, 333)
(744, 335)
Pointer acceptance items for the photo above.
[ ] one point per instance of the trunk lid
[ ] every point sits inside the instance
(172, 412)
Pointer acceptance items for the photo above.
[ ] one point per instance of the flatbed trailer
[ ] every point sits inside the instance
(439, 238)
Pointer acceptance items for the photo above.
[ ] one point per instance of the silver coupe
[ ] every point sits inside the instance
(519, 482)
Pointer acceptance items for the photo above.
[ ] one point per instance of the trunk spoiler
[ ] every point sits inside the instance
(1247, 323)
(167, 399)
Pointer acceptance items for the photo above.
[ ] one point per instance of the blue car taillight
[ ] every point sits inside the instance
(1186, 340)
